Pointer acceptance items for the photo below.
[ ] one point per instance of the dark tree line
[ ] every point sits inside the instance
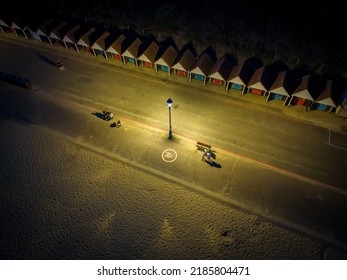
(310, 35)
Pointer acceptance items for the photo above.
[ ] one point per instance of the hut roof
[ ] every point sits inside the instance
(184, 60)
(221, 69)
(100, 42)
(307, 89)
(85, 37)
(5, 21)
(168, 56)
(21, 22)
(117, 46)
(57, 31)
(150, 52)
(66, 28)
(256, 79)
(47, 27)
(283, 84)
(240, 74)
(202, 64)
(264, 77)
(84, 28)
(71, 35)
(90, 34)
(133, 49)
(34, 22)
(326, 96)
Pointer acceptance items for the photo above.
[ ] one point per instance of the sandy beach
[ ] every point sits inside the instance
(62, 201)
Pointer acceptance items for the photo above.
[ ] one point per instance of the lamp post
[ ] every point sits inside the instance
(169, 104)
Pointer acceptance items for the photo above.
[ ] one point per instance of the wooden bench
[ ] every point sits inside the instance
(201, 146)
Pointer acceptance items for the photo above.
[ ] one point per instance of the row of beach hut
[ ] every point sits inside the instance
(274, 81)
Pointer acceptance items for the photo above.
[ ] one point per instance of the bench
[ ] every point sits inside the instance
(201, 146)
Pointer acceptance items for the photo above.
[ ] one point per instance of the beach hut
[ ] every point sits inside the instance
(5, 24)
(184, 62)
(84, 40)
(116, 45)
(305, 93)
(221, 70)
(147, 57)
(282, 88)
(325, 101)
(256, 84)
(201, 67)
(65, 34)
(251, 65)
(239, 77)
(32, 26)
(131, 54)
(19, 27)
(71, 38)
(264, 77)
(341, 109)
(45, 29)
(89, 35)
(166, 59)
(99, 46)
(57, 33)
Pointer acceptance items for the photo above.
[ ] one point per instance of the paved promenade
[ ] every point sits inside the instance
(232, 178)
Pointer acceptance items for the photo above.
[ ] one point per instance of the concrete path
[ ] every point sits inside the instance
(285, 197)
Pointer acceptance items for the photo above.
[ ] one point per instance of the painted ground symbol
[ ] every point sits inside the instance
(169, 155)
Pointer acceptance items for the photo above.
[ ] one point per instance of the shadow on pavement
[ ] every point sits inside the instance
(117, 124)
(46, 59)
(212, 163)
(99, 115)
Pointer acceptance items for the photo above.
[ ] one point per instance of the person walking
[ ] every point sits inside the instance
(203, 155)
(205, 152)
(209, 155)
(60, 65)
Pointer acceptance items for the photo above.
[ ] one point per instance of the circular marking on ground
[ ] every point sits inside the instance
(169, 155)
